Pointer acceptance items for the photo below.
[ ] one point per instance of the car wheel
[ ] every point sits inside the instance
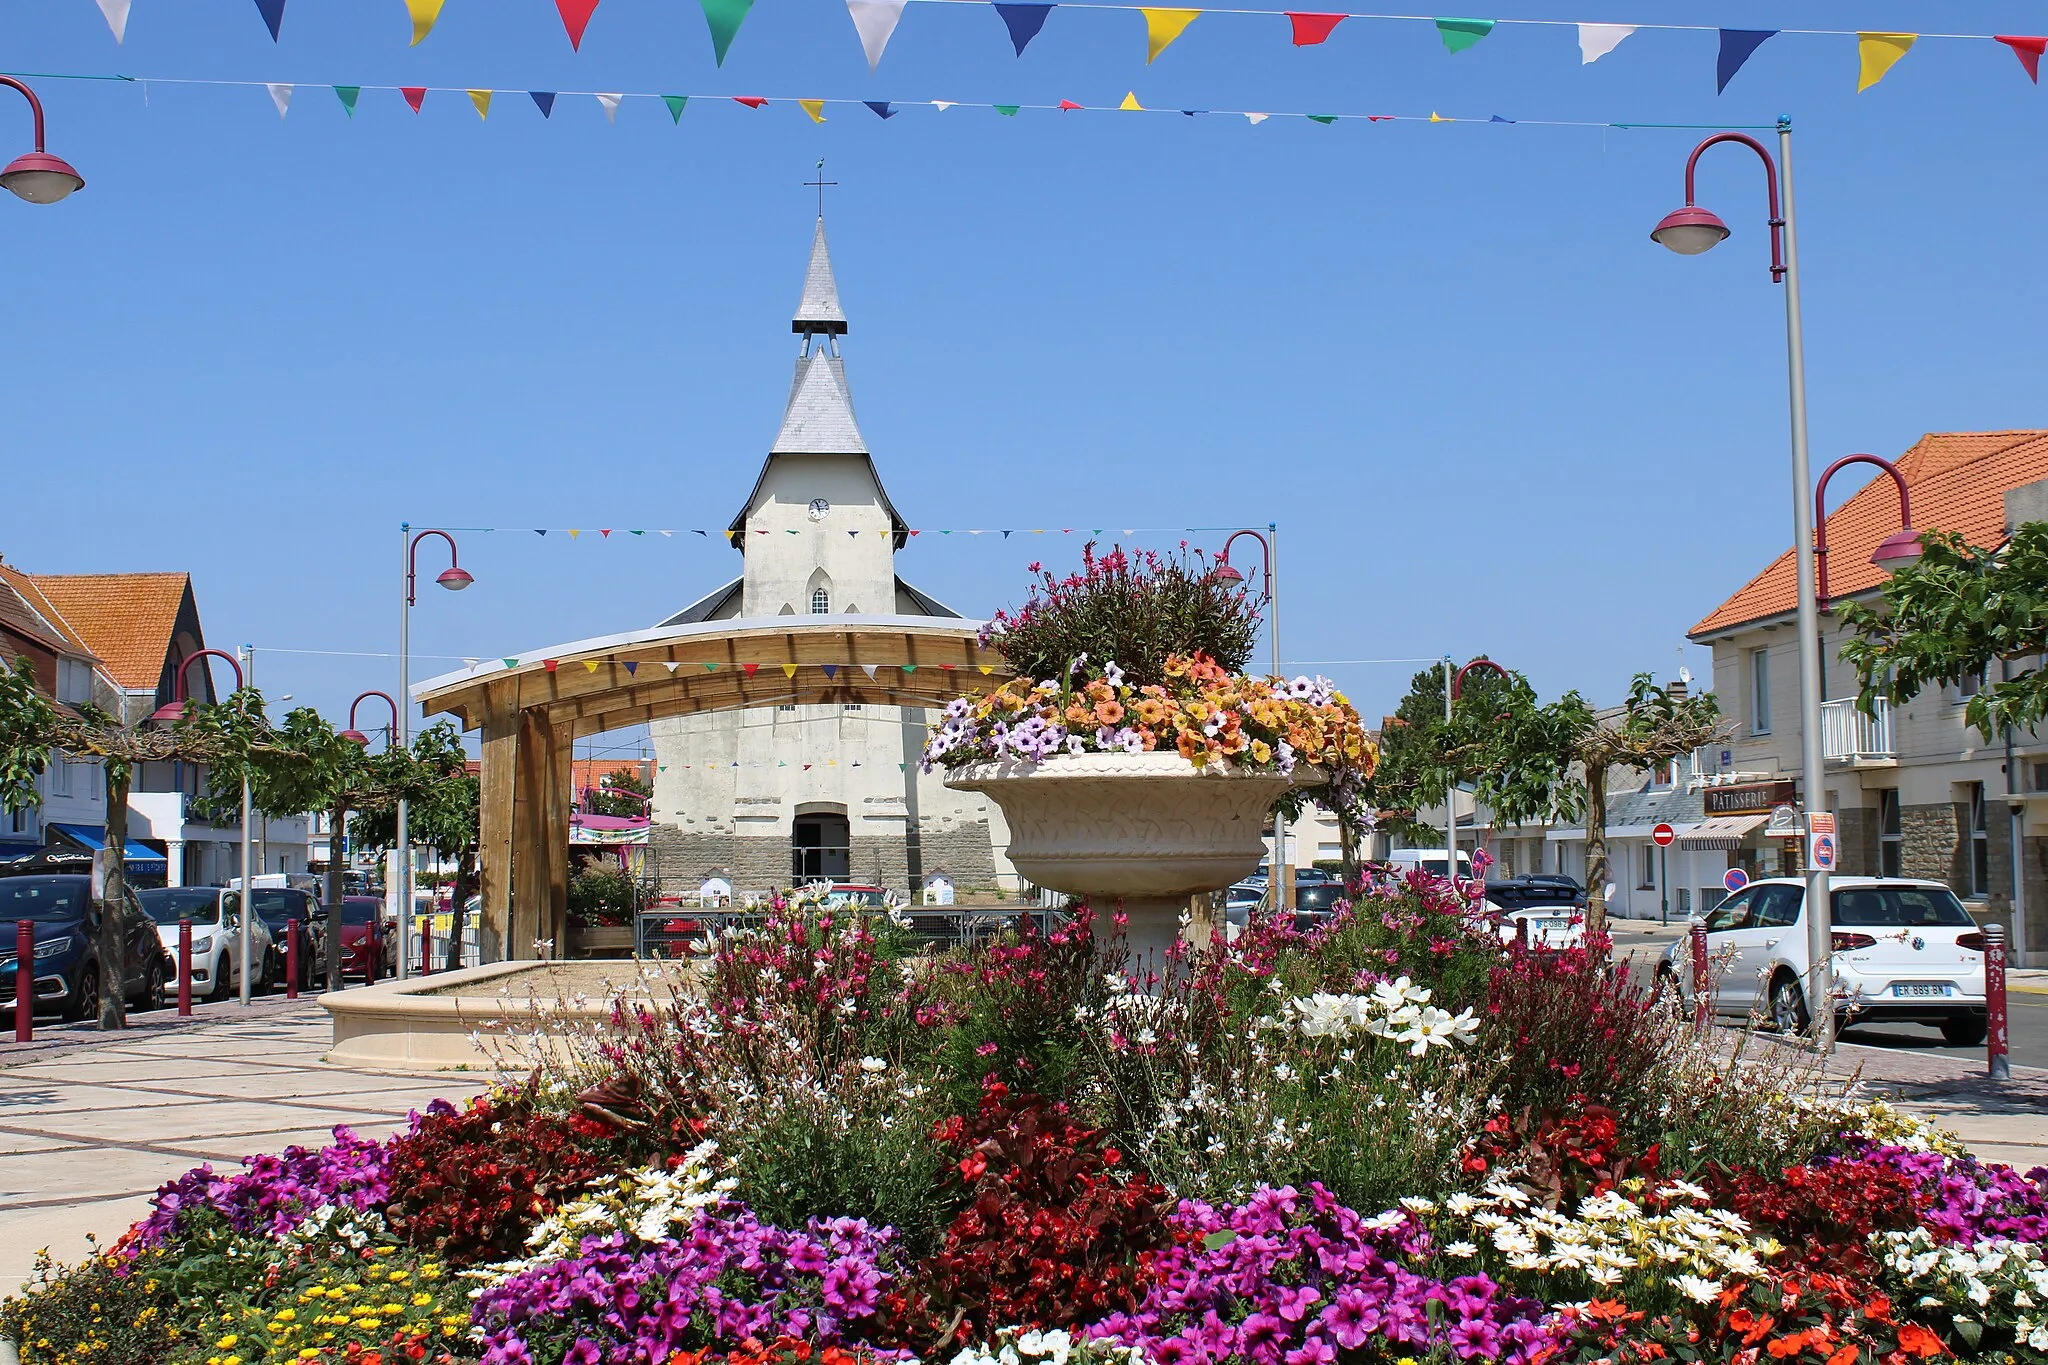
(1964, 1030)
(152, 996)
(223, 986)
(261, 985)
(85, 1001)
(1788, 1004)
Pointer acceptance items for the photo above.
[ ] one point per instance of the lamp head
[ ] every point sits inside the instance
(1689, 231)
(455, 579)
(41, 178)
(1223, 573)
(170, 713)
(1899, 550)
(356, 737)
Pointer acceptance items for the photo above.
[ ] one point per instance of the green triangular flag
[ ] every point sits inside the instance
(909, 668)
(1313, 118)
(511, 663)
(675, 105)
(711, 668)
(725, 18)
(1008, 110)
(349, 95)
(1459, 34)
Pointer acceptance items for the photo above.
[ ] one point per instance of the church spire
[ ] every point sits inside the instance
(819, 311)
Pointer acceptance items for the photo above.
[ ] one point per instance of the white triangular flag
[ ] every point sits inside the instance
(875, 20)
(869, 669)
(671, 667)
(1257, 118)
(1597, 40)
(281, 96)
(611, 107)
(117, 17)
(944, 105)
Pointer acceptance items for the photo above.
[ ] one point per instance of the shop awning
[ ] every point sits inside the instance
(93, 838)
(1722, 831)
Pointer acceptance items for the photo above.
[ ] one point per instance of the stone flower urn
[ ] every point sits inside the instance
(1148, 830)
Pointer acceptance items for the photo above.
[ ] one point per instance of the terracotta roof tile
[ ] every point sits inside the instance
(1958, 481)
(127, 619)
(31, 595)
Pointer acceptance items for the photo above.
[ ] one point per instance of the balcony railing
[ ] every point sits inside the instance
(1852, 737)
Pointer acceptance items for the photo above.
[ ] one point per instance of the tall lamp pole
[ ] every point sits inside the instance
(1690, 231)
(37, 176)
(1452, 694)
(170, 714)
(454, 578)
(1223, 572)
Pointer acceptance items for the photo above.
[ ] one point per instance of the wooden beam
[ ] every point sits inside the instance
(495, 790)
(531, 829)
(561, 795)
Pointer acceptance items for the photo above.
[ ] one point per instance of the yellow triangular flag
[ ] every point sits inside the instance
(482, 100)
(573, 533)
(590, 665)
(987, 669)
(1162, 26)
(1877, 53)
(1435, 117)
(789, 670)
(424, 13)
(1131, 102)
(815, 108)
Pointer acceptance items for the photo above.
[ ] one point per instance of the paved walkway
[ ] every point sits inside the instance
(91, 1124)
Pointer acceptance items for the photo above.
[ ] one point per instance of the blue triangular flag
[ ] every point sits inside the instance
(1023, 21)
(537, 531)
(1192, 112)
(1006, 535)
(632, 667)
(273, 15)
(1736, 45)
(545, 99)
(1498, 119)
(881, 108)
(830, 670)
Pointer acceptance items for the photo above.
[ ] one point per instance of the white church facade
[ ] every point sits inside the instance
(775, 796)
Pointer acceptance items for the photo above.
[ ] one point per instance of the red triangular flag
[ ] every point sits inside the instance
(752, 102)
(2029, 51)
(414, 95)
(606, 534)
(1068, 104)
(807, 767)
(750, 668)
(576, 18)
(549, 664)
(1310, 29)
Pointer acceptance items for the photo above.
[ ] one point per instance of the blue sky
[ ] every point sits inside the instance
(1488, 414)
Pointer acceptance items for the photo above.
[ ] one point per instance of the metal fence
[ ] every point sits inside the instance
(670, 930)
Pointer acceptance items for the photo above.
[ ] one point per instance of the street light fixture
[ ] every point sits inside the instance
(1689, 231)
(1896, 551)
(1457, 690)
(1224, 572)
(454, 578)
(355, 736)
(37, 176)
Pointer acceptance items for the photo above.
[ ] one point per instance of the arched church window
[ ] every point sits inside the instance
(821, 602)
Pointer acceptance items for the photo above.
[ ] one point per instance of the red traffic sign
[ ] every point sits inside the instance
(1664, 836)
(1735, 879)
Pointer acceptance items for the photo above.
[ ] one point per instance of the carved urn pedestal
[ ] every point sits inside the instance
(1146, 830)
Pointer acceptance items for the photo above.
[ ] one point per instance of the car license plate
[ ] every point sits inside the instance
(1919, 988)
(1559, 924)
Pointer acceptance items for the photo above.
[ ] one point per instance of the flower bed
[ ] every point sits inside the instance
(1392, 1140)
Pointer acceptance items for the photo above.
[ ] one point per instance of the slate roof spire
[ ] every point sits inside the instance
(819, 312)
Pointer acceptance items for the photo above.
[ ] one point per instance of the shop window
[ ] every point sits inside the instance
(1891, 837)
(1980, 844)
(1760, 691)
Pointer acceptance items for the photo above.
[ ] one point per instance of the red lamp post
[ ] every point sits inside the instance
(1894, 552)
(357, 736)
(173, 711)
(37, 176)
(1279, 883)
(1458, 681)
(454, 578)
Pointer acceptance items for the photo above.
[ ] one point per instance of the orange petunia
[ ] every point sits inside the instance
(1109, 711)
(1917, 1340)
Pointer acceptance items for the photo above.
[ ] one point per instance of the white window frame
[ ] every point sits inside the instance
(821, 602)
(1760, 691)
(1980, 844)
(1891, 834)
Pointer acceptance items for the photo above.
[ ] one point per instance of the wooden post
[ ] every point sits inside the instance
(561, 798)
(494, 829)
(533, 804)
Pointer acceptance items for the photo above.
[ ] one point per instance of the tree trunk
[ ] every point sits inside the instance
(337, 840)
(114, 901)
(1596, 852)
(1347, 842)
(465, 876)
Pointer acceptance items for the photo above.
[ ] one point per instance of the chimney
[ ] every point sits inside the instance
(1676, 689)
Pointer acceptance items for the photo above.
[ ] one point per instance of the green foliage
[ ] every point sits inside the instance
(26, 717)
(1955, 613)
(621, 793)
(441, 794)
(102, 1309)
(601, 893)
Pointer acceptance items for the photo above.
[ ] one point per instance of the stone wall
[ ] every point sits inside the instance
(1857, 828)
(1932, 845)
(963, 850)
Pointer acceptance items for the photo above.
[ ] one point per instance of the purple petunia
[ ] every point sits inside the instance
(272, 1194)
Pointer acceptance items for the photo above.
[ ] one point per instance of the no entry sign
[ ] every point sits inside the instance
(1663, 835)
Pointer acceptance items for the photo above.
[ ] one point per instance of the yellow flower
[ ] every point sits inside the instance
(422, 1300)
(227, 1341)
(286, 1314)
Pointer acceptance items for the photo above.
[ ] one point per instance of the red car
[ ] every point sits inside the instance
(358, 913)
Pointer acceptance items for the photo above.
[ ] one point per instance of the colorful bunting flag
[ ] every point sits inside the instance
(632, 667)
(2028, 50)
(1310, 29)
(711, 668)
(1131, 104)
(611, 115)
(752, 102)
(281, 96)
(1498, 119)
(671, 666)
(789, 670)
(1597, 40)
(831, 671)
(574, 532)
(273, 15)
(1024, 21)
(987, 669)
(875, 21)
(482, 100)
(550, 664)
(575, 18)
(1007, 110)
(943, 105)
(1255, 120)
(1877, 53)
(424, 13)
(908, 668)
(749, 669)
(348, 95)
(1069, 104)
(1162, 26)
(816, 109)
(881, 108)
(590, 665)
(1459, 34)
(1321, 118)
(511, 663)
(1737, 44)
(724, 18)
(544, 100)
(1435, 117)
(416, 95)
(116, 12)
(869, 669)
(675, 105)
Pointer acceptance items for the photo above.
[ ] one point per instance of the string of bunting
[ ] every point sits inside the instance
(831, 671)
(875, 22)
(606, 533)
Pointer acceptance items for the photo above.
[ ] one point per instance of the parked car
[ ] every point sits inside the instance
(1905, 951)
(216, 938)
(275, 907)
(1553, 906)
(1543, 890)
(1315, 904)
(1241, 901)
(1431, 860)
(358, 913)
(66, 964)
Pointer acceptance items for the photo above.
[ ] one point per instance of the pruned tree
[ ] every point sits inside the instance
(622, 792)
(443, 799)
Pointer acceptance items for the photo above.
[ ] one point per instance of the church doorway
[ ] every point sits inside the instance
(821, 845)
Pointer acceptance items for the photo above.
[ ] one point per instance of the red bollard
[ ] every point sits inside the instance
(1999, 1066)
(1522, 933)
(184, 967)
(291, 959)
(24, 981)
(371, 947)
(1702, 995)
(426, 947)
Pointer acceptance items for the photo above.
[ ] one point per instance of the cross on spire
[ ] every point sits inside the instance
(821, 184)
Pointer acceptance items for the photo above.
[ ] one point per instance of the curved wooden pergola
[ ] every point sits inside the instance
(534, 706)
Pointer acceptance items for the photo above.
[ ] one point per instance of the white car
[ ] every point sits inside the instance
(1550, 926)
(1905, 951)
(216, 937)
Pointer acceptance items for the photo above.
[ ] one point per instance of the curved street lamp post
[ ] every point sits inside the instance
(170, 714)
(1452, 694)
(37, 176)
(1278, 883)
(454, 578)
